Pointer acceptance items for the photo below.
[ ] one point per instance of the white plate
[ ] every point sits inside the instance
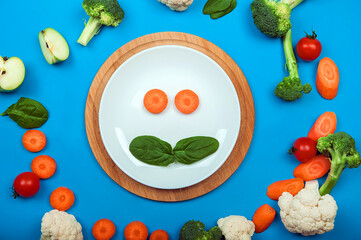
(171, 68)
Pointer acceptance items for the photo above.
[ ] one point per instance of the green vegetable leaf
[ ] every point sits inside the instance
(193, 149)
(152, 150)
(219, 8)
(27, 113)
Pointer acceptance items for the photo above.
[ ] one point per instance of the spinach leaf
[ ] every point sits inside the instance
(152, 150)
(219, 8)
(27, 113)
(193, 149)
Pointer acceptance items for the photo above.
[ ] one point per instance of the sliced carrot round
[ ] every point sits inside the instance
(155, 101)
(186, 101)
(136, 231)
(44, 166)
(316, 168)
(103, 229)
(159, 235)
(327, 79)
(324, 125)
(34, 140)
(62, 198)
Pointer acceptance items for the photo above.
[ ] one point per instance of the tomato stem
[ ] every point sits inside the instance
(313, 36)
(14, 193)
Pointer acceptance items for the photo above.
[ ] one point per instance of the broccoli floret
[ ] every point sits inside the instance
(273, 17)
(291, 88)
(101, 12)
(194, 230)
(342, 150)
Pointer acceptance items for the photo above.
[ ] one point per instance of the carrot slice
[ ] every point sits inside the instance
(186, 101)
(327, 79)
(263, 218)
(159, 235)
(293, 186)
(324, 125)
(313, 169)
(103, 229)
(44, 166)
(136, 231)
(155, 101)
(34, 140)
(62, 198)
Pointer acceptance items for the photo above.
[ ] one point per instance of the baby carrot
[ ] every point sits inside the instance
(263, 218)
(313, 169)
(327, 79)
(43, 166)
(324, 125)
(34, 140)
(103, 229)
(62, 198)
(155, 101)
(293, 186)
(159, 235)
(186, 101)
(136, 231)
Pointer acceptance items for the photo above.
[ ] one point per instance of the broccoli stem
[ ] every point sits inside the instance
(91, 29)
(292, 3)
(290, 55)
(338, 164)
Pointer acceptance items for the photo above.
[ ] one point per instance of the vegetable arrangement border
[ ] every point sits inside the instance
(244, 95)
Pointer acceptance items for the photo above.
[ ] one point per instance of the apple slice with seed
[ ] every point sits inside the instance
(12, 73)
(54, 46)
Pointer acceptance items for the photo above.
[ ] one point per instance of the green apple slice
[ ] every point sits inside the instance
(54, 46)
(12, 73)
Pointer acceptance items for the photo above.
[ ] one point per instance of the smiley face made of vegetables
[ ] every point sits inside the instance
(154, 151)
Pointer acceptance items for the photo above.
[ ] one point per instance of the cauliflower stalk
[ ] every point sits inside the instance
(307, 212)
(177, 5)
(58, 225)
(236, 227)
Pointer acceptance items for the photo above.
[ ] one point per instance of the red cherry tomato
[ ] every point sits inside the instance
(304, 149)
(309, 48)
(26, 184)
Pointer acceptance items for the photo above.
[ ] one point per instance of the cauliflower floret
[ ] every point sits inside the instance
(177, 5)
(58, 225)
(308, 213)
(236, 227)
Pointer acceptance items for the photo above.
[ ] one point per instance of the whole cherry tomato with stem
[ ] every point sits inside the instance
(309, 48)
(26, 184)
(304, 149)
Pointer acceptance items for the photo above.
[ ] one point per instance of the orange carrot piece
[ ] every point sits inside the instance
(136, 231)
(186, 101)
(103, 229)
(34, 140)
(263, 217)
(44, 166)
(62, 198)
(327, 79)
(155, 101)
(293, 186)
(159, 235)
(313, 169)
(324, 125)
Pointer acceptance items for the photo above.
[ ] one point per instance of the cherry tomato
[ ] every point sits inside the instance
(304, 149)
(309, 48)
(26, 184)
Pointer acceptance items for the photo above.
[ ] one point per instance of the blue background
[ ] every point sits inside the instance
(63, 89)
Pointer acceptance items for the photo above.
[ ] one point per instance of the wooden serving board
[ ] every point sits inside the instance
(240, 84)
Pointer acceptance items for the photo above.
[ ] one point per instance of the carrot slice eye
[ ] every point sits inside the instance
(186, 101)
(155, 101)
